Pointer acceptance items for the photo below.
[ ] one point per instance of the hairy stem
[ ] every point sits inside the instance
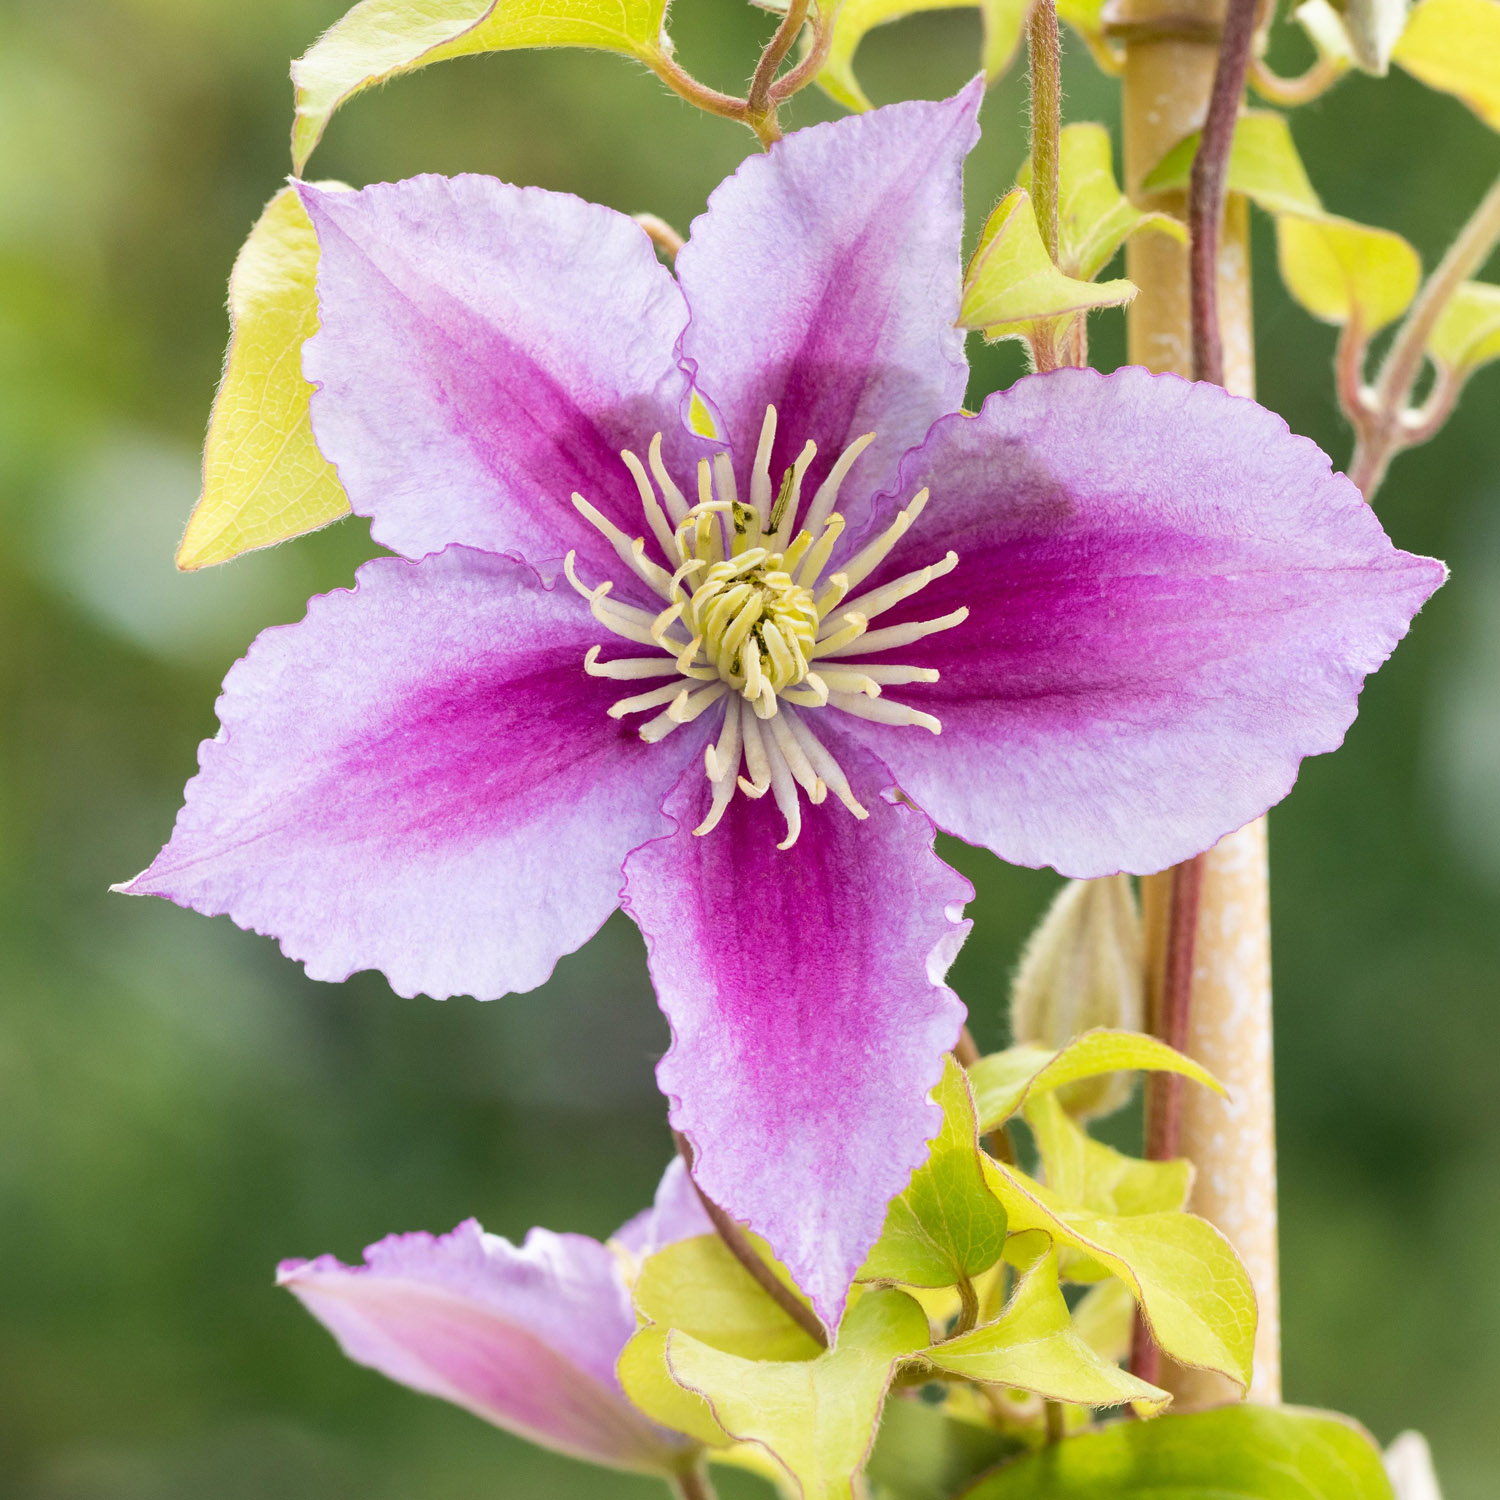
(685, 86)
(1207, 189)
(797, 78)
(1045, 55)
(1388, 431)
(759, 100)
(737, 1242)
(968, 1308)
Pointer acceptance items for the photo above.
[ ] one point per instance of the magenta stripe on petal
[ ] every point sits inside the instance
(421, 778)
(484, 351)
(825, 278)
(1173, 601)
(809, 1016)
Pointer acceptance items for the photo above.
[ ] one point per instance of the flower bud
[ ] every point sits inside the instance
(1408, 1462)
(1362, 32)
(1083, 967)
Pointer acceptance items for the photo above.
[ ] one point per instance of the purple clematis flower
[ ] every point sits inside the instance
(1130, 604)
(526, 1336)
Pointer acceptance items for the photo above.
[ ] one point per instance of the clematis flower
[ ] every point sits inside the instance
(525, 1336)
(695, 573)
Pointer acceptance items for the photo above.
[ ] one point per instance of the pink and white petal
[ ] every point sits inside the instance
(485, 350)
(420, 778)
(676, 1214)
(525, 1337)
(825, 279)
(1173, 601)
(804, 988)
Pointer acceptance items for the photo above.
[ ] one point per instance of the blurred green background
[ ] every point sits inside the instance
(180, 1106)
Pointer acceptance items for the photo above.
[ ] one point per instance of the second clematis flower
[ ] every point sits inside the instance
(694, 574)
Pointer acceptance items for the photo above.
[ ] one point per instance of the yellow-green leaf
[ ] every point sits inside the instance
(1339, 270)
(379, 39)
(698, 1286)
(1185, 1275)
(947, 1225)
(1086, 17)
(1033, 1346)
(264, 479)
(1086, 1173)
(1104, 1318)
(816, 1417)
(1454, 45)
(1003, 1081)
(1263, 165)
(1012, 284)
(1094, 218)
(1003, 22)
(1243, 1452)
(1468, 332)
(643, 1373)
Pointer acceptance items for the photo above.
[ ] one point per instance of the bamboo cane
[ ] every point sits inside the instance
(1171, 51)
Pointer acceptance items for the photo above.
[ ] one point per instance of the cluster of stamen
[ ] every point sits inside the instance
(750, 617)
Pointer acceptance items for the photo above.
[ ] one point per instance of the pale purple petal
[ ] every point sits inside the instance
(525, 1337)
(484, 351)
(809, 1015)
(421, 778)
(677, 1214)
(824, 279)
(1174, 600)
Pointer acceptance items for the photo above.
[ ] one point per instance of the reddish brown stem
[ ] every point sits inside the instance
(1164, 1094)
(1164, 1090)
(737, 1242)
(1207, 188)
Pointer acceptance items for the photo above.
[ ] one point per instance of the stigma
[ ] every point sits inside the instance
(752, 619)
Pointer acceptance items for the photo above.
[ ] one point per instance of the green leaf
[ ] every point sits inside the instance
(380, 39)
(1185, 1275)
(1003, 1081)
(1468, 332)
(1033, 1346)
(1094, 218)
(264, 479)
(1003, 23)
(1339, 270)
(1454, 45)
(816, 1417)
(922, 1453)
(1263, 165)
(947, 1225)
(1086, 1173)
(1012, 284)
(698, 1286)
(1232, 1453)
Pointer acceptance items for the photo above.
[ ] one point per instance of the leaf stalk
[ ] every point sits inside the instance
(1383, 423)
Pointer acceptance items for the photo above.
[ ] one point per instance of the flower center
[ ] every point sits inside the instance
(749, 616)
(757, 624)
